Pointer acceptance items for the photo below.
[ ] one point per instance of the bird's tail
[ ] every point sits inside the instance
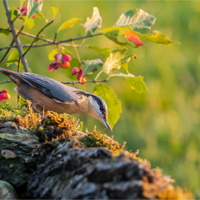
(6, 71)
(12, 75)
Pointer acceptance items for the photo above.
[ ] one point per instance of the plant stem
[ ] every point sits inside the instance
(71, 82)
(16, 39)
(5, 82)
(11, 45)
(79, 60)
(88, 81)
(54, 43)
(37, 36)
(99, 74)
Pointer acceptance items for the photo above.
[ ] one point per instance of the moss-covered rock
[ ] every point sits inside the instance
(51, 157)
(7, 191)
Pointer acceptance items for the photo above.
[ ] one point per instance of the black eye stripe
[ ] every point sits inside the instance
(99, 101)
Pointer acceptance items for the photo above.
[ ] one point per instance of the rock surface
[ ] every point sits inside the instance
(52, 159)
(7, 191)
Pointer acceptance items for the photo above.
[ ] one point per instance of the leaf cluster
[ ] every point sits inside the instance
(127, 31)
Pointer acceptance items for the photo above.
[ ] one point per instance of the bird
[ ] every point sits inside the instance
(48, 94)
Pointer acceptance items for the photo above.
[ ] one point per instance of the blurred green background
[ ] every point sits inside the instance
(163, 123)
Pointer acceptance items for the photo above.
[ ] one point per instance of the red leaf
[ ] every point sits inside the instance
(131, 36)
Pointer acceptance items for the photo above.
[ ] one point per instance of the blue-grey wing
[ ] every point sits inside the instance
(52, 88)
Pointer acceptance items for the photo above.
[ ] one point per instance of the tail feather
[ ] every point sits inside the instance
(6, 71)
(12, 75)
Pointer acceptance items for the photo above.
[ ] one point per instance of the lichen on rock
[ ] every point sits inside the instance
(51, 157)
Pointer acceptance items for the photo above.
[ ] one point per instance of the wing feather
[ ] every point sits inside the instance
(52, 88)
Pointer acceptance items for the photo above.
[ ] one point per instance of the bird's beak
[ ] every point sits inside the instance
(107, 125)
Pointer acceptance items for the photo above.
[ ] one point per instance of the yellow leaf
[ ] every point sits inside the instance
(55, 11)
(70, 23)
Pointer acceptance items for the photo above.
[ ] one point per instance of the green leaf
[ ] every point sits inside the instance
(94, 22)
(14, 55)
(113, 62)
(136, 19)
(70, 23)
(156, 37)
(55, 11)
(89, 66)
(52, 54)
(66, 51)
(22, 3)
(113, 104)
(135, 82)
(126, 60)
(41, 16)
(4, 31)
(13, 12)
(9, 62)
(34, 7)
(104, 52)
(112, 33)
(30, 23)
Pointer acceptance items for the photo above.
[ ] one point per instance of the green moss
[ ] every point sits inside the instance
(8, 112)
(89, 141)
(96, 139)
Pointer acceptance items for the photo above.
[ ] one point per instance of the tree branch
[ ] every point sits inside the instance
(79, 60)
(37, 36)
(54, 43)
(70, 82)
(88, 81)
(16, 39)
(11, 45)
(5, 82)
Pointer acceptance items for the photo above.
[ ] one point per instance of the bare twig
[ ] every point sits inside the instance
(18, 66)
(54, 43)
(16, 39)
(5, 82)
(70, 82)
(99, 74)
(37, 36)
(79, 60)
(88, 81)
(11, 45)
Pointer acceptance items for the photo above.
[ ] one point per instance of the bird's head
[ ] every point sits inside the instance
(98, 110)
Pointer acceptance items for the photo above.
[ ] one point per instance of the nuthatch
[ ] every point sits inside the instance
(48, 94)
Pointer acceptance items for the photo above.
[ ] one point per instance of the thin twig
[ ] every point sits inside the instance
(5, 82)
(55, 37)
(99, 74)
(37, 36)
(88, 81)
(18, 16)
(18, 70)
(16, 39)
(18, 66)
(70, 82)
(11, 45)
(54, 43)
(79, 60)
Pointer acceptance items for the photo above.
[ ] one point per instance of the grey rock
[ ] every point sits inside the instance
(7, 191)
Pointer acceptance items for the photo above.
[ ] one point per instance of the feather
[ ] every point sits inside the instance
(52, 88)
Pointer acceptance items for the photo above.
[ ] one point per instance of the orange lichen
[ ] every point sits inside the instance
(161, 186)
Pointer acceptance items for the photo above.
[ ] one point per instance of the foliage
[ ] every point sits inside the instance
(8, 112)
(115, 59)
(163, 122)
